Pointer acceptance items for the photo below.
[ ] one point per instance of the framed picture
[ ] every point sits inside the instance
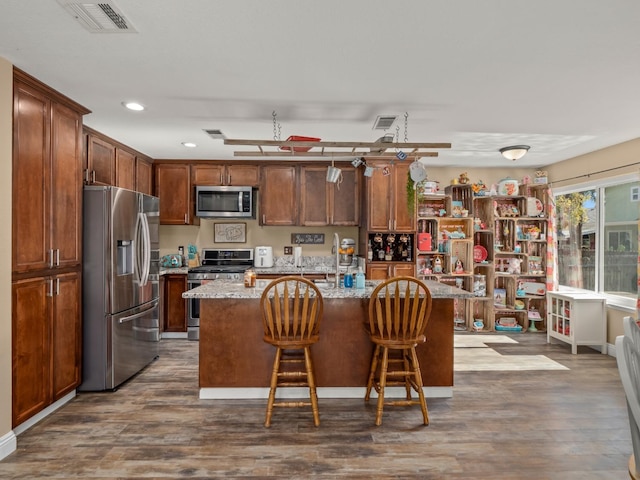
(230, 232)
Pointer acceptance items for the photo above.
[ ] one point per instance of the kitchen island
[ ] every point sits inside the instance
(236, 363)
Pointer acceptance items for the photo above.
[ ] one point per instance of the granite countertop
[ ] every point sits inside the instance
(291, 270)
(235, 289)
(176, 270)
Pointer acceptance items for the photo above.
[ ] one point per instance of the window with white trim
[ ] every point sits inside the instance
(597, 238)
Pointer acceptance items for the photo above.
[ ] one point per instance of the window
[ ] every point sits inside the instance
(597, 238)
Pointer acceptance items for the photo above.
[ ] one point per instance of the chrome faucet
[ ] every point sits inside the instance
(336, 247)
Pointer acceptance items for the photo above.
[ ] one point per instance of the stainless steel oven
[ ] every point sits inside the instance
(216, 264)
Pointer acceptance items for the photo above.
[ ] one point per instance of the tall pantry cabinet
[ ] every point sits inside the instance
(46, 246)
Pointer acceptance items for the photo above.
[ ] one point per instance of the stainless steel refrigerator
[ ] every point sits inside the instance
(120, 285)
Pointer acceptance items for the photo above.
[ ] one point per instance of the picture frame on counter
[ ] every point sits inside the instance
(230, 232)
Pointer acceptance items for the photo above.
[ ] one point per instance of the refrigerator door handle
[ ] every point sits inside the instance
(138, 315)
(147, 249)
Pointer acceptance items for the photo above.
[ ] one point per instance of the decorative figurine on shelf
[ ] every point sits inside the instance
(459, 266)
(428, 270)
(477, 224)
(479, 189)
(514, 266)
(437, 264)
(463, 179)
(520, 290)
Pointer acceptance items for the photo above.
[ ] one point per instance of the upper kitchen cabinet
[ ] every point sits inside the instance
(219, 174)
(324, 203)
(173, 187)
(386, 200)
(144, 176)
(101, 161)
(47, 177)
(278, 194)
(125, 169)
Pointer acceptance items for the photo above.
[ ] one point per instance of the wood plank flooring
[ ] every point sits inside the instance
(556, 424)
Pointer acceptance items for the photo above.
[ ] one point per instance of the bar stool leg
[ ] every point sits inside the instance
(372, 372)
(273, 386)
(418, 379)
(383, 383)
(312, 386)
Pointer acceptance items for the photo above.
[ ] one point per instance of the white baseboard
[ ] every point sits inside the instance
(27, 424)
(8, 444)
(323, 392)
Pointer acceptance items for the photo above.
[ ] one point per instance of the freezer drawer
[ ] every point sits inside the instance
(119, 348)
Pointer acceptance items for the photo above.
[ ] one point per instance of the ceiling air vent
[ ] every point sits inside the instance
(384, 122)
(215, 134)
(103, 17)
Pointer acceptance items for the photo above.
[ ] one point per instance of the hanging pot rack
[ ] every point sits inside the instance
(327, 149)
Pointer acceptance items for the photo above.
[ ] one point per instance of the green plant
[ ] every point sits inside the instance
(411, 194)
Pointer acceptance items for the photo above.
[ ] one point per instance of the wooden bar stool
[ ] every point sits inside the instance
(399, 309)
(291, 309)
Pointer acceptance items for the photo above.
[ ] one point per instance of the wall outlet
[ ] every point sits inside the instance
(288, 250)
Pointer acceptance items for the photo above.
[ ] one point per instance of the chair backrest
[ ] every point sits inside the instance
(628, 358)
(399, 309)
(291, 309)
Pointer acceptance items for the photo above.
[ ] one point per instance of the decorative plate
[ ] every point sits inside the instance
(417, 171)
(479, 253)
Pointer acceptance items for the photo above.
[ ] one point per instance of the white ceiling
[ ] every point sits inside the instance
(560, 76)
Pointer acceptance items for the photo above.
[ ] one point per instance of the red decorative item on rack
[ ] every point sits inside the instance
(480, 254)
(298, 138)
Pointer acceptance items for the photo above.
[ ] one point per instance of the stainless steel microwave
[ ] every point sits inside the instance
(225, 202)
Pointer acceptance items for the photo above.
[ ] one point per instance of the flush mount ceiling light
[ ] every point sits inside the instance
(135, 106)
(189, 144)
(514, 152)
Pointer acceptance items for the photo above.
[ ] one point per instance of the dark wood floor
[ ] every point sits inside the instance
(499, 425)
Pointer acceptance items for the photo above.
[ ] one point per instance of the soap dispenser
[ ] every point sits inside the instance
(360, 278)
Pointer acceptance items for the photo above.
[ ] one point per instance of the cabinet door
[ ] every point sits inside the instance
(175, 307)
(66, 332)
(403, 219)
(378, 271)
(314, 196)
(125, 169)
(207, 174)
(345, 199)
(31, 179)
(403, 269)
(144, 181)
(379, 194)
(173, 187)
(243, 175)
(101, 161)
(66, 187)
(31, 350)
(278, 196)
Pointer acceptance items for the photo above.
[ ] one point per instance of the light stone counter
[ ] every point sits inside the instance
(235, 289)
(176, 270)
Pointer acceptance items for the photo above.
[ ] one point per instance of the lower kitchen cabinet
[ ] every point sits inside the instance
(46, 341)
(174, 307)
(382, 270)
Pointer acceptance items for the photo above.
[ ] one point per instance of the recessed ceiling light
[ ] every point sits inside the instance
(133, 106)
(189, 144)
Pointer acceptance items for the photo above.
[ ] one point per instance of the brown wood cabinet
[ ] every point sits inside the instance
(324, 203)
(46, 341)
(144, 176)
(125, 169)
(382, 270)
(174, 307)
(47, 182)
(173, 187)
(278, 195)
(237, 175)
(46, 244)
(101, 161)
(386, 200)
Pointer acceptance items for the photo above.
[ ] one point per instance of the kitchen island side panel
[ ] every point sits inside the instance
(233, 354)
